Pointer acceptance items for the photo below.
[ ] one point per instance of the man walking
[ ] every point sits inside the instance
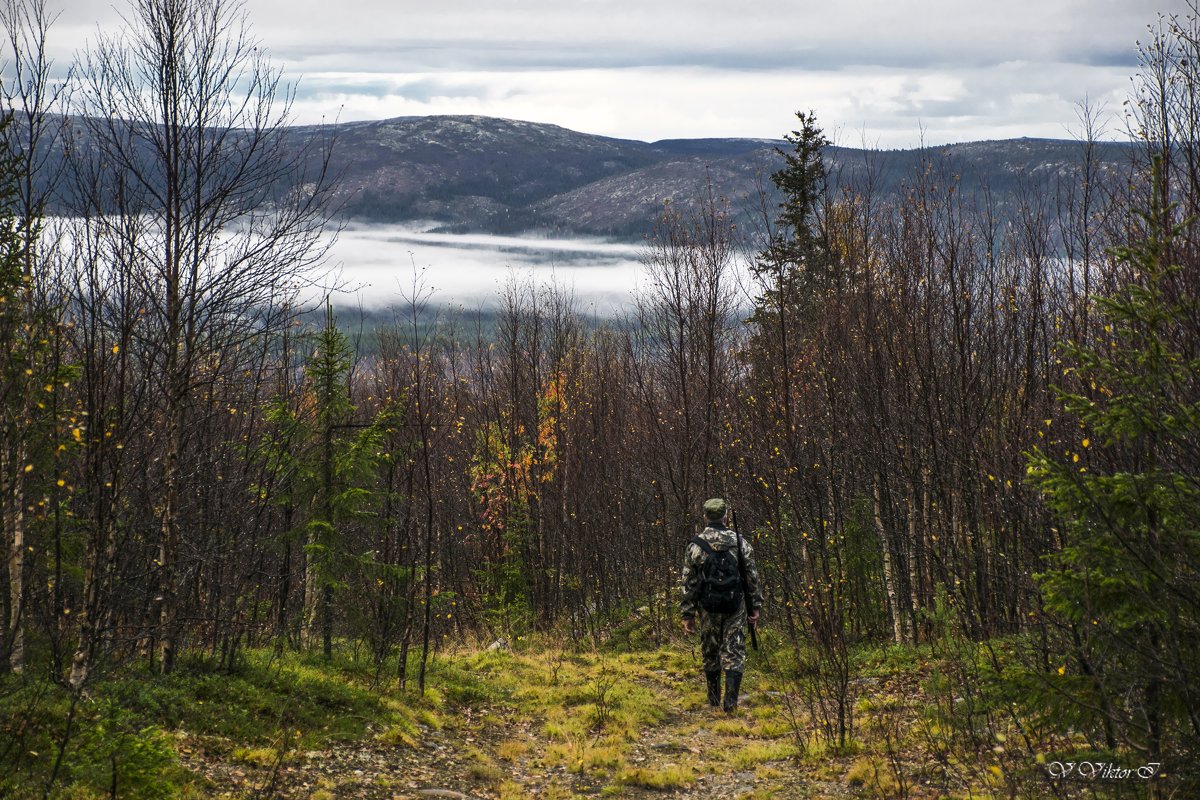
(719, 577)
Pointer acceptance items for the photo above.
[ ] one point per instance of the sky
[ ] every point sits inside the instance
(877, 73)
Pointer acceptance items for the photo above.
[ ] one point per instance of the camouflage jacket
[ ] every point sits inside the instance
(720, 538)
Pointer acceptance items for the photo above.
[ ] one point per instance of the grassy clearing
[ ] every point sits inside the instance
(130, 728)
(535, 722)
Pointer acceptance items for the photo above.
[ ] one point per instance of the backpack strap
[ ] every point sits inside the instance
(703, 545)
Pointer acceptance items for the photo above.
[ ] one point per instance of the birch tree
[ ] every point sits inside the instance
(219, 213)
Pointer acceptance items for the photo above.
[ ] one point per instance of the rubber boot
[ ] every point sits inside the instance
(714, 687)
(733, 684)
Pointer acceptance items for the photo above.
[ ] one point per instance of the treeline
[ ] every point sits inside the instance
(935, 418)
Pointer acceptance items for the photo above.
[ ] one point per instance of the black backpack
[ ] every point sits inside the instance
(720, 588)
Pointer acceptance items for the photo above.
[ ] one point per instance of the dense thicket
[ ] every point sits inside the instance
(936, 417)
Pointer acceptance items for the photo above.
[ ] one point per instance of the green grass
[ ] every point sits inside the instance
(131, 723)
(561, 721)
(754, 753)
(671, 776)
(591, 707)
(108, 743)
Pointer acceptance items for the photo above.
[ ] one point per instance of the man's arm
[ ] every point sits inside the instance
(688, 584)
(752, 581)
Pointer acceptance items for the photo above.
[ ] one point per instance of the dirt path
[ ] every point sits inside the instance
(555, 726)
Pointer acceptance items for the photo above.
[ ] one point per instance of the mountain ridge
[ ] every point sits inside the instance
(494, 175)
(470, 173)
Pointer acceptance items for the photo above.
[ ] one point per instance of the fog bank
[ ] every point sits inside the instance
(379, 266)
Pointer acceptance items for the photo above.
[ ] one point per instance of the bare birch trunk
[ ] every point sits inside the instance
(14, 524)
(889, 579)
(311, 601)
(168, 601)
(916, 554)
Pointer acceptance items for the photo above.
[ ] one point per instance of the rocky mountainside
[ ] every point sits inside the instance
(505, 176)
(469, 173)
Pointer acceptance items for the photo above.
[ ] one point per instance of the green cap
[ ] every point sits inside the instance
(714, 508)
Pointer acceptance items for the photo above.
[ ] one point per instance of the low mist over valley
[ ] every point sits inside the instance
(463, 204)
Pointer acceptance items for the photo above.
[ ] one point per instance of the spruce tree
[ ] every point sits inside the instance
(793, 267)
(1125, 487)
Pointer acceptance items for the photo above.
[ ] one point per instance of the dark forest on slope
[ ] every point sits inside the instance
(479, 174)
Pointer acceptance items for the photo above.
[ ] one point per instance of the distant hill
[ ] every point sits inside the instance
(470, 173)
(503, 176)
(506, 176)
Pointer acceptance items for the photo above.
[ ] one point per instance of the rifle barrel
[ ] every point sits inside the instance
(745, 586)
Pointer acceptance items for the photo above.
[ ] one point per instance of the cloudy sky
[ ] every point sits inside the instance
(887, 73)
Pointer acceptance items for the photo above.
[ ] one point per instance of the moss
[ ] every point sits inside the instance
(488, 774)
(399, 734)
(861, 772)
(774, 729)
(429, 719)
(602, 757)
(759, 752)
(733, 727)
(256, 756)
(765, 793)
(672, 776)
(512, 749)
(556, 791)
(585, 756)
(511, 790)
(870, 773)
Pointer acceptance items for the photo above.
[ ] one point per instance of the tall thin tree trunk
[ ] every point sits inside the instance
(168, 598)
(309, 600)
(916, 556)
(14, 523)
(327, 589)
(285, 587)
(889, 578)
(425, 627)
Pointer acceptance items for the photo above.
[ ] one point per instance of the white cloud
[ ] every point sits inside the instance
(669, 68)
(890, 106)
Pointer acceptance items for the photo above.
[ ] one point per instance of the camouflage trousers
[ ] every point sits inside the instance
(723, 640)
